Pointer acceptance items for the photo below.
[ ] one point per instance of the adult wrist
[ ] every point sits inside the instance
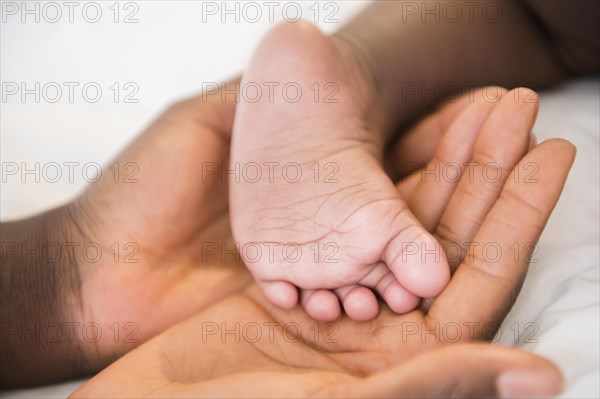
(40, 302)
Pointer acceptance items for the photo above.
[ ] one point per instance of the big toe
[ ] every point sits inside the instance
(418, 262)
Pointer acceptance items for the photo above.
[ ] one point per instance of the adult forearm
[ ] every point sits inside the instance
(420, 52)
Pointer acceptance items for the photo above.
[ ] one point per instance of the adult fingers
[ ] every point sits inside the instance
(416, 147)
(485, 285)
(439, 178)
(503, 141)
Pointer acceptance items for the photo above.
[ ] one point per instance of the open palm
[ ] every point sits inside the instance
(243, 346)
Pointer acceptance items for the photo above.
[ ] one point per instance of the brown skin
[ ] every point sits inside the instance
(415, 59)
(384, 357)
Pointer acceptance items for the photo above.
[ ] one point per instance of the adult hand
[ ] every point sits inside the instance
(161, 226)
(141, 244)
(243, 346)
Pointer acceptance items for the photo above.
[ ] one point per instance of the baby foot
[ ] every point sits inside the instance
(314, 209)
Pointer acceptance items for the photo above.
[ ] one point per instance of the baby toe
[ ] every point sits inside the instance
(322, 305)
(280, 293)
(398, 298)
(418, 262)
(360, 303)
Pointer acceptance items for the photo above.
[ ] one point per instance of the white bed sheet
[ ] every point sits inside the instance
(561, 295)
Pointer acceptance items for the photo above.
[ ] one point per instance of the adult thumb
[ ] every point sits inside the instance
(459, 371)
